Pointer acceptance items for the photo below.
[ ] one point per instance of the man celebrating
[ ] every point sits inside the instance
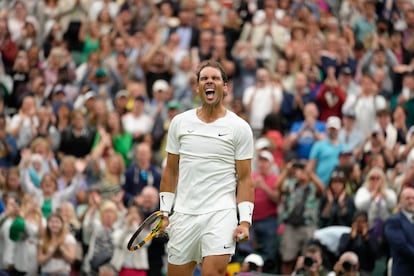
(209, 155)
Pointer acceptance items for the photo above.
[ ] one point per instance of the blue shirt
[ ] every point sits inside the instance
(306, 139)
(326, 154)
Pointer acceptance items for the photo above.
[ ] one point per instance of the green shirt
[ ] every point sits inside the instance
(122, 144)
(47, 208)
(408, 106)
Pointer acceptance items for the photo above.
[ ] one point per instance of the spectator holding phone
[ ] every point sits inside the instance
(347, 265)
(361, 242)
(302, 190)
(311, 262)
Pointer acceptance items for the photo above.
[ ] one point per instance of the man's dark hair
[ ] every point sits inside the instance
(214, 64)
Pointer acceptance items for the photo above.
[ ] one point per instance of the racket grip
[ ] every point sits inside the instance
(241, 236)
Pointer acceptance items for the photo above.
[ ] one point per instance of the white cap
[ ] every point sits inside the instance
(160, 85)
(263, 143)
(333, 122)
(88, 95)
(255, 259)
(266, 155)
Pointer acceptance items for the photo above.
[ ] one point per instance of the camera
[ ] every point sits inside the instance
(308, 261)
(347, 266)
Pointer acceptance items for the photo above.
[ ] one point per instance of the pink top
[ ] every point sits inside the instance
(263, 206)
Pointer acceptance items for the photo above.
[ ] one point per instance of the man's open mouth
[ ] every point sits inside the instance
(210, 93)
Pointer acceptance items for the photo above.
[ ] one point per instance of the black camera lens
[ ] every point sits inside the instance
(308, 261)
(347, 266)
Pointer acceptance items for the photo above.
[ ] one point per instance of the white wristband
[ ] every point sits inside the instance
(166, 201)
(245, 211)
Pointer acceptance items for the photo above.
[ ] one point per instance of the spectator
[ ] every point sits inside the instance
(311, 262)
(261, 99)
(77, 138)
(47, 195)
(336, 206)
(8, 147)
(398, 234)
(364, 25)
(42, 147)
(302, 93)
(137, 122)
(123, 261)
(160, 130)
(330, 97)
(73, 225)
(303, 134)
(67, 176)
(300, 217)
(266, 205)
(367, 101)
(23, 125)
(347, 82)
(405, 97)
(101, 231)
(347, 265)
(267, 37)
(375, 198)
(251, 265)
(9, 49)
(348, 134)
(380, 58)
(361, 243)
(25, 231)
(324, 154)
(139, 174)
(6, 244)
(11, 187)
(120, 140)
(56, 249)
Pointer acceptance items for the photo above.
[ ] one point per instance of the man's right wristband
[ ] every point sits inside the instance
(166, 202)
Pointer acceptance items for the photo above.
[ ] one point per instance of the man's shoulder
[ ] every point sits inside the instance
(395, 218)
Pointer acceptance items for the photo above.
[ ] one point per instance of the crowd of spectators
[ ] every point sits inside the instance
(88, 89)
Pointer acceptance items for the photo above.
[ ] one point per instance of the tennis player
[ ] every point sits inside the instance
(209, 157)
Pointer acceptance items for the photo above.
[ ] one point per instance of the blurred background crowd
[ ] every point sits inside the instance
(88, 88)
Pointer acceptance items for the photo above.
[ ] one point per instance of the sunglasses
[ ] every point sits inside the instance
(374, 177)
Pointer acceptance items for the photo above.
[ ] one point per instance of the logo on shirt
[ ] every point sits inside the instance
(222, 134)
(190, 130)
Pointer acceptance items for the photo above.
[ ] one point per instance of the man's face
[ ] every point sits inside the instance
(211, 86)
(332, 133)
(407, 200)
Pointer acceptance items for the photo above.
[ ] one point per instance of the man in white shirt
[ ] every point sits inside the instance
(209, 156)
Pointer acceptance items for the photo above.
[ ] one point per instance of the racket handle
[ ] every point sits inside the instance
(241, 236)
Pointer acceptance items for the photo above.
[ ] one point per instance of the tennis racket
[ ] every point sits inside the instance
(151, 224)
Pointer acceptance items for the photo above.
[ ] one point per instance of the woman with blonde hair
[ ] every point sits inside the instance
(375, 198)
(67, 174)
(73, 225)
(25, 231)
(56, 250)
(106, 172)
(11, 185)
(47, 195)
(42, 146)
(101, 220)
(127, 264)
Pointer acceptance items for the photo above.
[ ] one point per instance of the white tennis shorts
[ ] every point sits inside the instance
(193, 237)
